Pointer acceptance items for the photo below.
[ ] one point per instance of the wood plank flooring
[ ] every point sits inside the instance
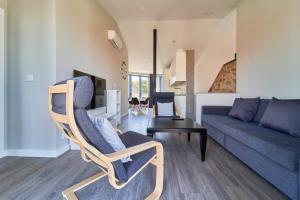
(221, 176)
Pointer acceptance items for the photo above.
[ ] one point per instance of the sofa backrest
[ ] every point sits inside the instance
(261, 109)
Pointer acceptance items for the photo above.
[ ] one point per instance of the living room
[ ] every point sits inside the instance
(226, 71)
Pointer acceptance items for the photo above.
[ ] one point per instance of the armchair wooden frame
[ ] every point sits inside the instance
(91, 154)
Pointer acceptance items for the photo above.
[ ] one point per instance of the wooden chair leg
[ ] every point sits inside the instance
(159, 162)
(69, 193)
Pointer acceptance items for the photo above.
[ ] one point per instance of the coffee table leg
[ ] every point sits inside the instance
(189, 137)
(203, 140)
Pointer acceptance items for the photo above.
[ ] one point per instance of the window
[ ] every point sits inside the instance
(145, 86)
(139, 85)
(135, 86)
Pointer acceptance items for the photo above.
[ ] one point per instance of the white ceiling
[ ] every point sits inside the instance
(172, 35)
(140, 10)
(181, 24)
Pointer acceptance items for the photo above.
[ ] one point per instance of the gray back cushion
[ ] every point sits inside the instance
(263, 104)
(244, 109)
(83, 93)
(164, 97)
(283, 115)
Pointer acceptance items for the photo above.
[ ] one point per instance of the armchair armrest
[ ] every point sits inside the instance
(215, 110)
(132, 150)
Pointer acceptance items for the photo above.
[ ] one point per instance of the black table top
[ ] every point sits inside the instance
(169, 125)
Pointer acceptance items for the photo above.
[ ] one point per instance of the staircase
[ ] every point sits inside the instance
(225, 81)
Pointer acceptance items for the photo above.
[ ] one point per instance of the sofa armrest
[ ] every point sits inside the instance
(215, 110)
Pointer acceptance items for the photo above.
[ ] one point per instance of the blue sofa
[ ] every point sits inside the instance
(272, 154)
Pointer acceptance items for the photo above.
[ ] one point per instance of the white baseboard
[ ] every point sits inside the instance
(37, 153)
(3, 154)
(74, 146)
(62, 150)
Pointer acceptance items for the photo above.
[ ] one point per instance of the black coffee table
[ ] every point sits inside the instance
(175, 126)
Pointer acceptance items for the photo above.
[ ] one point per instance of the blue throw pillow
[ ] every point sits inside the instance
(283, 115)
(244, 109)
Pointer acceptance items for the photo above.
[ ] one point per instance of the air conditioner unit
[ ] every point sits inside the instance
(114, 39)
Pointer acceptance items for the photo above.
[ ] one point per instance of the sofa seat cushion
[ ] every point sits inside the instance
(131, 139)
(281, 148)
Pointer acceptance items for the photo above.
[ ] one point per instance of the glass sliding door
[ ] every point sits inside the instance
(135, 86)
(144, 86)
(139, 85)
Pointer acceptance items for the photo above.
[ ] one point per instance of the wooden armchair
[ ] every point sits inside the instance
(67, 101)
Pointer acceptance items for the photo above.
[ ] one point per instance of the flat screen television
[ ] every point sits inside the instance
(98, 99)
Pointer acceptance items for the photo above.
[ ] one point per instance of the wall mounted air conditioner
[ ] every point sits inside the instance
(114, 39)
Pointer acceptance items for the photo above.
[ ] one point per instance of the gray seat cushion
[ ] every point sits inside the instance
(281, 148)
(131, 139)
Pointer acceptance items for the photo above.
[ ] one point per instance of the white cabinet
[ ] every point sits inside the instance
(113, 105)
(178, 69)
(180, 104)
(119, 115)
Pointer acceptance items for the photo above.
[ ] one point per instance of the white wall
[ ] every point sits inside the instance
(2, 82)
(212, 99)
(268, 48)
(31, 50)
(220, 49)
(82, 44)
(49, 39)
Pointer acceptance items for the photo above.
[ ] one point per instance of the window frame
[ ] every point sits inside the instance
(130, 75)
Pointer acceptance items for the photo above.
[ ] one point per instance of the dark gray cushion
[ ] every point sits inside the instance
(216, 110)
(244, 109)
(263, 104)
(138, 160)
(283, 115)
(83, 93)
(281, 148)
(164, 97)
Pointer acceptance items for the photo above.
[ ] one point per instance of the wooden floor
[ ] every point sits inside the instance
(221, 176)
